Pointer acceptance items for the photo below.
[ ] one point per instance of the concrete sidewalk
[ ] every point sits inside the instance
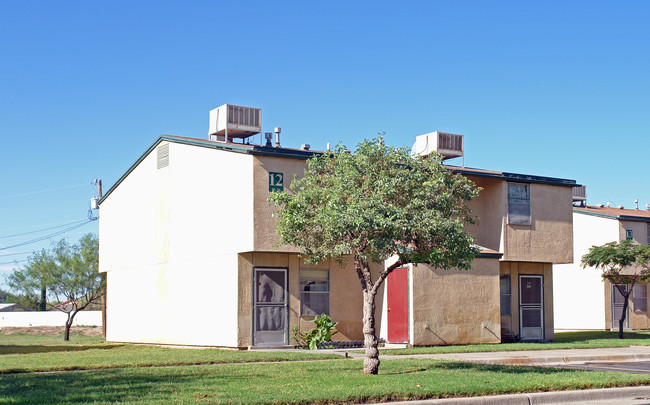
(530, 357)
(605, 396)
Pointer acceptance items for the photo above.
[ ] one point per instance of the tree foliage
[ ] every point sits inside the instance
(69, 274)
(376, 203)
(623, 263)
(30, 284)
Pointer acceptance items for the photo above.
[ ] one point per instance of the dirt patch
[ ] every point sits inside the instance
(52, 330)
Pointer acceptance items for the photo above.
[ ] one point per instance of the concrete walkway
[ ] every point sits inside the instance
(540, 357)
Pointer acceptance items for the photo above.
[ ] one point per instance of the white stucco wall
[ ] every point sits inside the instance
(578, 294)
(186, 302)
(169, 240)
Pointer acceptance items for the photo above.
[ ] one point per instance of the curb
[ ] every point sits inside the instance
(562, 359)
(540, 398)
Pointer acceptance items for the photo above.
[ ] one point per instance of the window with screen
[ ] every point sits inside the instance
(505, 295)
(314, 292)
(519, 204)
(640, 298)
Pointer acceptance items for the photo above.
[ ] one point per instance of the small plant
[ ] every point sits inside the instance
(323, 332)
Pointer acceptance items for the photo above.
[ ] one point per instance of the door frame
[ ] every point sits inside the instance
(389, 281)
(539, 306)
(285, 305)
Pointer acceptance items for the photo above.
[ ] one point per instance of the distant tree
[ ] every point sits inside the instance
(78, 283)
(30, 283)
(68, 272)
(4, 296)
(622, 264)
(374, 204)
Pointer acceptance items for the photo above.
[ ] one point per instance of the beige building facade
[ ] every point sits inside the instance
(524, 228)
(595, 226)
(189, 245)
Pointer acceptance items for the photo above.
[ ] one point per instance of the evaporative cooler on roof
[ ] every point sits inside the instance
(228, 122)
(447, 144)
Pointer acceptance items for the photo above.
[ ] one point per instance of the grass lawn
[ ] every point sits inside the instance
(27, 353)
(563, 340)
(108, 373)
(296, 382)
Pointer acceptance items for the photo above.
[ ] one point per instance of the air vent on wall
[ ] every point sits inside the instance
(163, 156)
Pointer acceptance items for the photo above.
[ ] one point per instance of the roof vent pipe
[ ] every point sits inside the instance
(636, 203)
(269, 137)
(329, 146)
(647, 206)
(607, 204)
(277, 131)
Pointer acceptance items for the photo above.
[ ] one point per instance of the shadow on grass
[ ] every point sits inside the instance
(582, 336)
(29, 349)
(104, 387)
(471, 367)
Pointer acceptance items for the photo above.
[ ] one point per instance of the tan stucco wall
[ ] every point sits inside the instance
(346, 304)
(549, 238)
(639, 231)
(514, 269)
(454, 306)
(490, 209)
(266, 236)
(636, 320)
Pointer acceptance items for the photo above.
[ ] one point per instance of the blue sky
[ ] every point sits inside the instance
(551, 88)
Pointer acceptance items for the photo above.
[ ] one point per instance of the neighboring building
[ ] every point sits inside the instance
(583, 300)
(523, 230)
(13, 308)
(189, 246)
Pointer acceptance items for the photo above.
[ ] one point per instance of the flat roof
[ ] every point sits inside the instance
(260, 150)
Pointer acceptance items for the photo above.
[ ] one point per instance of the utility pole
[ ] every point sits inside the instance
(98, 183)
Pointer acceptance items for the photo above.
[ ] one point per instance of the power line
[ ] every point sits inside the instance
(15, 228)
(17, 254)
(43, 191)
(15, 261)
(39, 239)
(44, 229)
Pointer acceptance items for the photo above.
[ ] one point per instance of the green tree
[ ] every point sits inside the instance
(622, 264)
(378, 203)
(68, 272)
(31, 283)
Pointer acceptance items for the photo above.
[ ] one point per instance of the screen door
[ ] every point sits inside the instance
(618, 301)
(270, 307)
(531, 307)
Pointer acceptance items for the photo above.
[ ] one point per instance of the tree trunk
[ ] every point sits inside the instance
(621, 321)
(68, 325)
(371, 362)
(43, 304)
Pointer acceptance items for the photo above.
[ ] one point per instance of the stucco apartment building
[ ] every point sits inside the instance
(189, 245)
(583, 300)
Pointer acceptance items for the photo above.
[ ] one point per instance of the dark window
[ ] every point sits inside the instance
(519, 204)
(640, 298)
(314, 292)
(506, 295)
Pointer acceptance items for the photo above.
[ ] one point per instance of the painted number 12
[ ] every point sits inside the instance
(276, 181)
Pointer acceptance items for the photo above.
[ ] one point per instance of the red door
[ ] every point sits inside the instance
(397, 285)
